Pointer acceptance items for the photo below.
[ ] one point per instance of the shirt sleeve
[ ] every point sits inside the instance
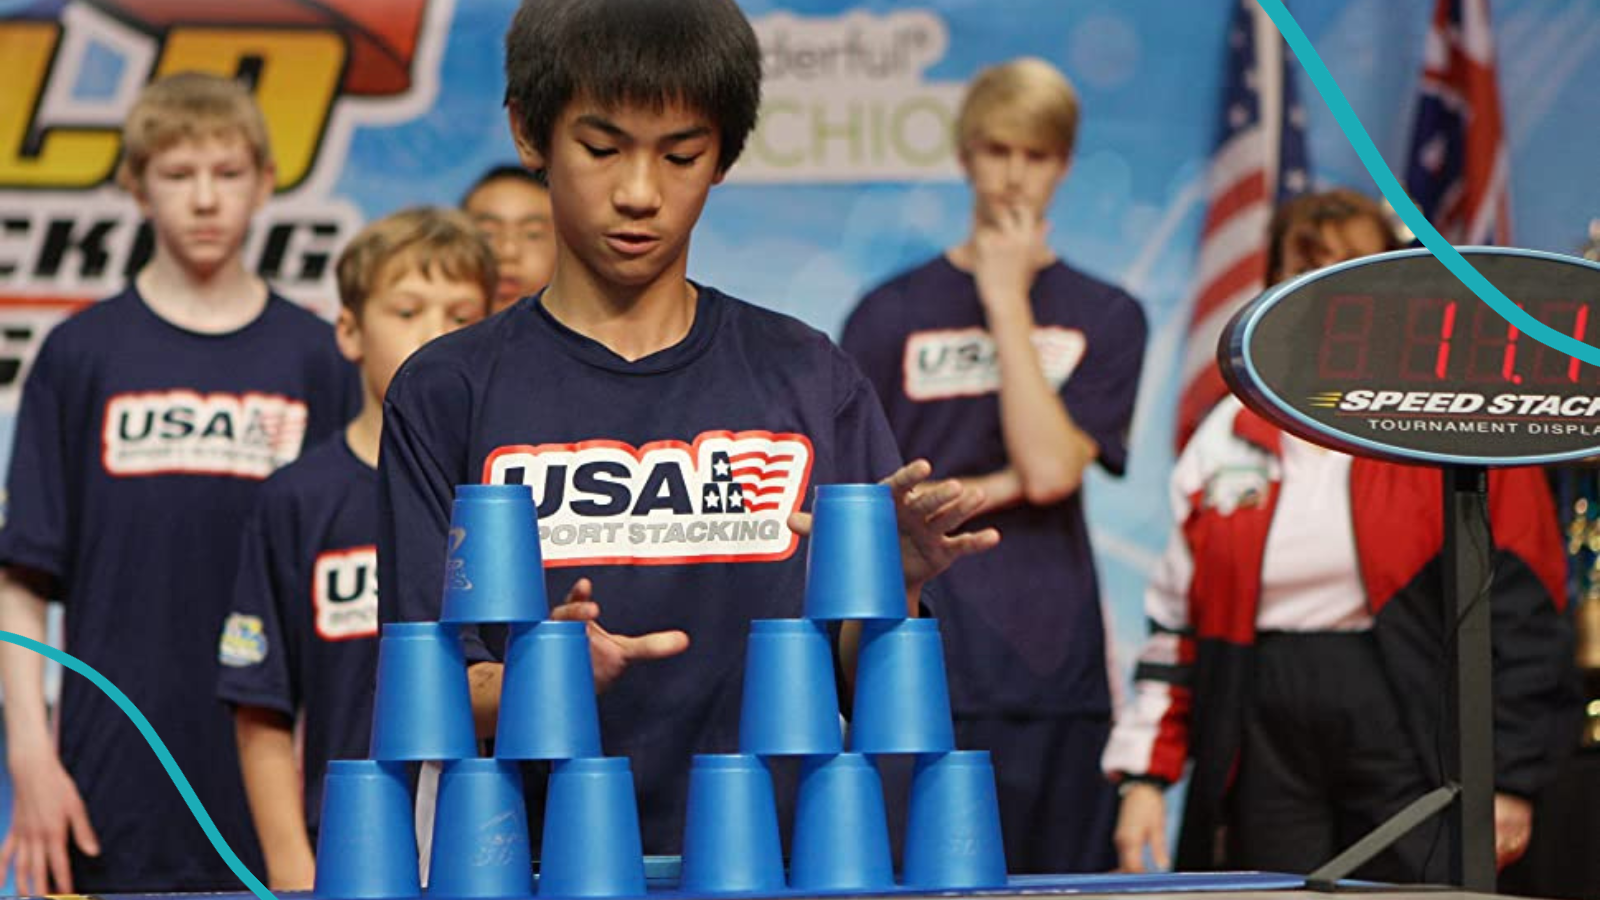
(1150, 737)
(1537, 700)
(421, 458)
(1100, 395)
(256, 653)
(876, 349)
(36, 516)
(865, 449)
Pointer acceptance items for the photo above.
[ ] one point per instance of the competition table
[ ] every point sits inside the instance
(1165, 886)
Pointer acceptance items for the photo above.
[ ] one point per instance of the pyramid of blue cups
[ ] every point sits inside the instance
(422, 711)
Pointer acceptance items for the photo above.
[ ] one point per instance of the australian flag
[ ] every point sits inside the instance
(1459, 167)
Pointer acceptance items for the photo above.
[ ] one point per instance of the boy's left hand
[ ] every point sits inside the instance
(927, 513)
(610, 653)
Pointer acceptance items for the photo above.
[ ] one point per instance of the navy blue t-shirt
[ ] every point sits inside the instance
(1022, 623)
(140, 447)
(666, 480)
(302, 633)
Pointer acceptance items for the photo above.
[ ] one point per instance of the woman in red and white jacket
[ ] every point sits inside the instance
(1297, 646)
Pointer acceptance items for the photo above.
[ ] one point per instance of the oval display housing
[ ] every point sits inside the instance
(1391, 356)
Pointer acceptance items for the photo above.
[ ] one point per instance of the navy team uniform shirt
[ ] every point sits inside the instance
(666, 480)
(140, 447)
(307, 597)
(1022, 623)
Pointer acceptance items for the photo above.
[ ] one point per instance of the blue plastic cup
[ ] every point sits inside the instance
(730, 835)
(367, 843)
(493, 570)
(841, 835)
(547, 701)
(853, 568)
(953, 839)
(591, 831)
(902, 700)
(480, 833)
(790, 706)
(422, 708)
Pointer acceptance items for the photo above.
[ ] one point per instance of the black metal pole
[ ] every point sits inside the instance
(1469, 724)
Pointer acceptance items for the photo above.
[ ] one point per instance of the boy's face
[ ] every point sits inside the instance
(1011, 175)
(626, 188)
(199, 195)
(514, 218)
(400, 317)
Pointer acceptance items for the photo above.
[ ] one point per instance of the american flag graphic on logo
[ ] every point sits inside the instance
(762, 477)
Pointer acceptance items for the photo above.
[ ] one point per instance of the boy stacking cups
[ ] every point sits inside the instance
(672, 434)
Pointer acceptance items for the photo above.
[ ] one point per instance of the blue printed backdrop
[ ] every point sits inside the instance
(1149, 75)
(850, 179)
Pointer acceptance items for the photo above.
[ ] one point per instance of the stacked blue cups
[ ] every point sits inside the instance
(422, 712)
(901, 706)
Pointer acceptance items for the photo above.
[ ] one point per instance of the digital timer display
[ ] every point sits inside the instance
(1433, 340)
(1392, 356)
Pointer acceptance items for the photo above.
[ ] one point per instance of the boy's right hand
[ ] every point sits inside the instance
(1006, 257)
(611, 654)
(45, 810)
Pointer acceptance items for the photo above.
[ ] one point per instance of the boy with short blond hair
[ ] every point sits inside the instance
(147, 424)
(307, 585)
(1014, 371)
(671, 433)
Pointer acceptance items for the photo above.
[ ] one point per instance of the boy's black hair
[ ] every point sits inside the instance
(508, 171)
(700, 53)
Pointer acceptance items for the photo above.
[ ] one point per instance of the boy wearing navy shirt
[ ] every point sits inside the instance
(671, 434)
(147, 425)
(1009, 368)
(308, 583)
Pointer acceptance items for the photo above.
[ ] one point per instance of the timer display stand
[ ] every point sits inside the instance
(1337, 357)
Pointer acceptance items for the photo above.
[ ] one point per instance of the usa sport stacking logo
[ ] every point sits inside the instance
(963, 362)
(187, 433)
(344, 593)
(725, 497)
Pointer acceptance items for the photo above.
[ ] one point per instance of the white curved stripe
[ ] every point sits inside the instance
(1240, 236)
(1201, 350)
(1235, 159)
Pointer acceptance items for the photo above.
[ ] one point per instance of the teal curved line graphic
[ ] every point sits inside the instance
(175, 773)
(1397, 197)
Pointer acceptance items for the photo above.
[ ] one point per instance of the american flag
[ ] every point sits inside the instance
(1260, 160)
(1458, 168)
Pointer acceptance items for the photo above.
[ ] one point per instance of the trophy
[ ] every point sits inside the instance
(1581, 501)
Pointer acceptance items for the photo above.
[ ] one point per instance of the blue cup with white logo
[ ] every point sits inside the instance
(480, 833)
(902, 698)
(790, 706)
(547, 700)
(591, 843)
(853, 568)
(422, 708)
(841, 832)
(730, 833)
(953, 839)
(367, 842)
(493, 571)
